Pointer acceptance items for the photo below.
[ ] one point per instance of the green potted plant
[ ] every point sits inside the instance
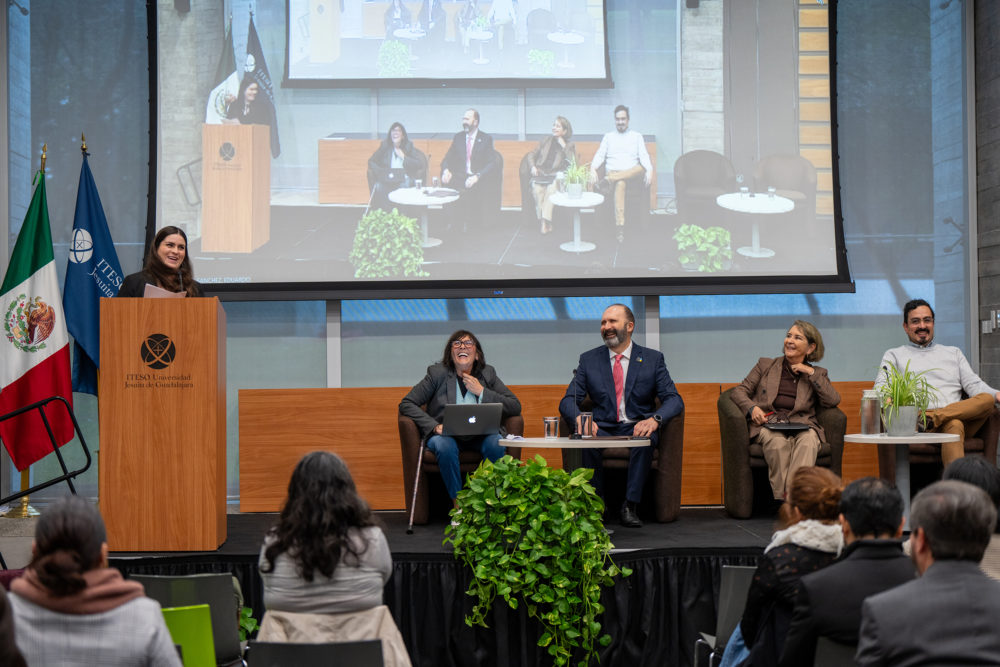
(541, 62)
(904, 395)
(704, 249)
(387, 244)
(576, 176)
(393, 59)
(533, 535)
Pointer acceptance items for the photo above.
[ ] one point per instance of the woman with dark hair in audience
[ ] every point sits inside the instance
(551, 156)
(167, 266)
(70, 608)
(326, 555)
(462, 376)
(783, 393)
(396, 163)
(809, 538)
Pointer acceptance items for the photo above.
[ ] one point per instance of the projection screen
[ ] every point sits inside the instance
(723, 180)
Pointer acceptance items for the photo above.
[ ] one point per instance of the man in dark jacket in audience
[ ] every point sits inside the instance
(948, 615)
(829, 600)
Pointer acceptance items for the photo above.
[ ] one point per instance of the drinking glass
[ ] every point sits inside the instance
(586, 419)
(551, 428)
(419, 184)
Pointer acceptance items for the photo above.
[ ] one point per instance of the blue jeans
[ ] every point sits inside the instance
(446, 449)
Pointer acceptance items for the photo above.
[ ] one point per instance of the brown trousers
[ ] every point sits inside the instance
(961, 418)
(785, 454)
(618, 180)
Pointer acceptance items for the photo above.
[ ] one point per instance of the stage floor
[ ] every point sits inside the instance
(702, 530)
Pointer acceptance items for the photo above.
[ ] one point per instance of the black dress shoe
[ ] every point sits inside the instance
(629, 518)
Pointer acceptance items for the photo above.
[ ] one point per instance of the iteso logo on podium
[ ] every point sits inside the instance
(157, 351)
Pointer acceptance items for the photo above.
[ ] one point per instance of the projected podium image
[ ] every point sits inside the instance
(236, 187)
(163, 424)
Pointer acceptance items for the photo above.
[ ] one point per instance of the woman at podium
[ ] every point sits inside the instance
(244, 108)
(167, 267)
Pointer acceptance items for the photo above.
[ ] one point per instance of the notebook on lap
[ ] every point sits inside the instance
(470, 419)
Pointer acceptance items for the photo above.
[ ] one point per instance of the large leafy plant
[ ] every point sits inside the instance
(387, 245)
(393, 60)
(533, 535)
(708, 249)
(902, 388)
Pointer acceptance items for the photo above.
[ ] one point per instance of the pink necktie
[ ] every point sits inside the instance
(619, 376)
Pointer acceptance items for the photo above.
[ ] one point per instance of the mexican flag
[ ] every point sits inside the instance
(34, 349)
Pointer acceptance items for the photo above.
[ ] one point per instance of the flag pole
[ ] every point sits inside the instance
(24, 510)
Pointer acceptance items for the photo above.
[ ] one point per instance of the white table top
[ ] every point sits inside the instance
(582, 443)
(415, 197)
(408, 33)
(565, 37)
(755, 203)
(479, 35)
(585, 200)
(913, 439)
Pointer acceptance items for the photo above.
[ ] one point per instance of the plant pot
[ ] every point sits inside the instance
(904, 421)
(574, 190)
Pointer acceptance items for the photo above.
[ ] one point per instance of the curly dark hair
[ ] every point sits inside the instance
(166, 277)
(322, 508)
(480, 361)
(69, 540)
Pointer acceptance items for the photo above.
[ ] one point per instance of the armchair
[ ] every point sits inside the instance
(413, 450)
(740, 457)
(665, 474)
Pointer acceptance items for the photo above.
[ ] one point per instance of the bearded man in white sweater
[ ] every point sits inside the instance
(947, 370)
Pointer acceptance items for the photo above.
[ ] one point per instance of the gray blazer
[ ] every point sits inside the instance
(946, 617)
(438, 388)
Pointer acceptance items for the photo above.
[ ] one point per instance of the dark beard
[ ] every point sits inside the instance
(618, 339)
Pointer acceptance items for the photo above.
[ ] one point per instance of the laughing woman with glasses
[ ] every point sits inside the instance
(779, 398)
(462, 376)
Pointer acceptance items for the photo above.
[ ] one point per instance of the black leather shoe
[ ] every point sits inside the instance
(629, 518)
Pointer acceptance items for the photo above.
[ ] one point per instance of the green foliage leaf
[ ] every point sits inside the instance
(533, 535)
(387, 244)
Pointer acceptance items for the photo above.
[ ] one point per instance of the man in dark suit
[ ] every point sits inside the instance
(623, 380)
(948, 615)
(829, 600)
(472, 167)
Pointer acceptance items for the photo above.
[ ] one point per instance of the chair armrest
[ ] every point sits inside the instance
(670, 459)
(989, 433)
(737, 477)
(834, 423)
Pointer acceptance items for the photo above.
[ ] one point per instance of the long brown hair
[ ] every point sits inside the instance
(181, 280)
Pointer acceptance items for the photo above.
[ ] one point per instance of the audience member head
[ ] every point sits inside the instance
(813, 336)
(457, 353)
(70, 540)
(950, 520)
(871, 508)
(977, 471)
(813, 493)
(168, 262)
(321, 509)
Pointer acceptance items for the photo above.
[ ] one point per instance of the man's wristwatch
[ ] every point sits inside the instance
(657, 418)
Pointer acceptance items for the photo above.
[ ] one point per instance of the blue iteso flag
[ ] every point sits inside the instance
(93, 271)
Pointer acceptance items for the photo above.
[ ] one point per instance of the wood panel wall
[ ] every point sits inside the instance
(278, 426)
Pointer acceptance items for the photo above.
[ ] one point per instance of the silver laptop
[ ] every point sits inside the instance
(468, 419)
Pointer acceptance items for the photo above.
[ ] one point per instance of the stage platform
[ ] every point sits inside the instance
(653, 616)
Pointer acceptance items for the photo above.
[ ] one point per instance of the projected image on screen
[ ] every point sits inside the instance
(710, 162)
(352, 40)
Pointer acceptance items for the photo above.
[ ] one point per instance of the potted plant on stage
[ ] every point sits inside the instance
(704, 249)
(905, 395)
(576, 178)
(387, 244)
(533, 535)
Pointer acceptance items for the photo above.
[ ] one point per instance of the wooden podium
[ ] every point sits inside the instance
(235, 187)
(163, 424)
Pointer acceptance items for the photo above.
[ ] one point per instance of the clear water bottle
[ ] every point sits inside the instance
(871, 421)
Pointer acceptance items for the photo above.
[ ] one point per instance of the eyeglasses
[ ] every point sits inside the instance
(463, 343)
(914, 321)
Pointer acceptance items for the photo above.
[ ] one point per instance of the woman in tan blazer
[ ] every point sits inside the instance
(779, 397)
